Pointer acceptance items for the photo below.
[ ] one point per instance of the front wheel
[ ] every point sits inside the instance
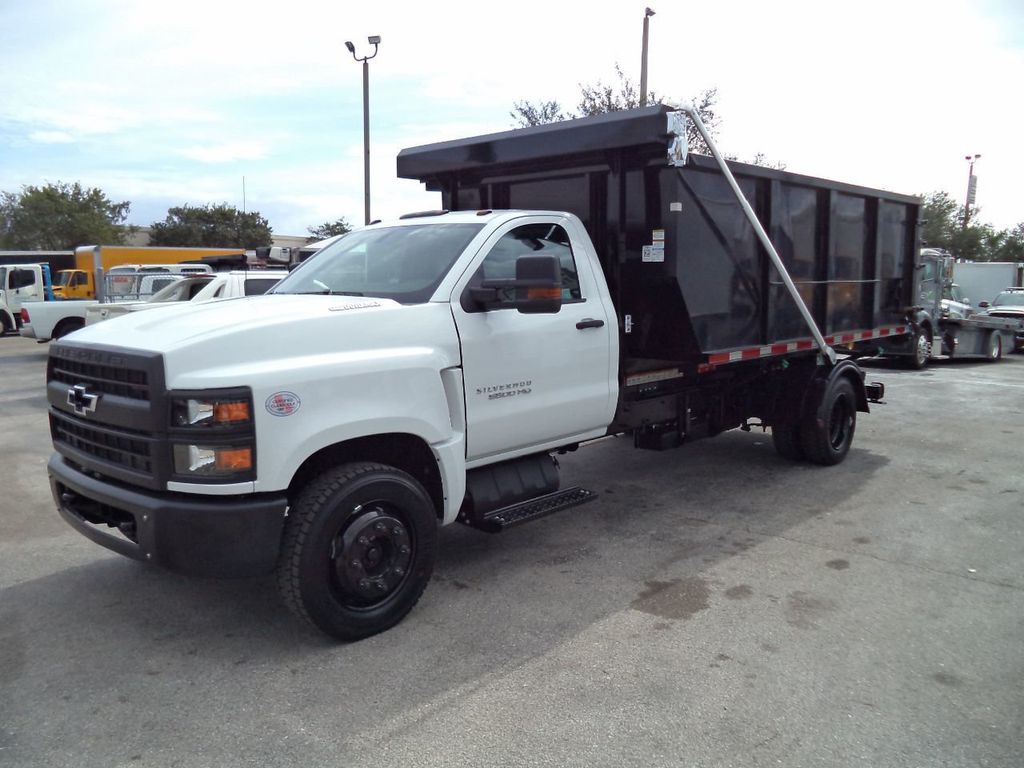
(994, 347)
(826, 436)
(922, 349)
(358, 550)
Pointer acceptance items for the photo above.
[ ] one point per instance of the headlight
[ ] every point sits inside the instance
(213, 435)
(193, 412)
(212, 460)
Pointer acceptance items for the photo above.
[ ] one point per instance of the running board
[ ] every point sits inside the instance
(500, 519)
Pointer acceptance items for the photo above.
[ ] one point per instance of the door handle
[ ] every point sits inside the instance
(589, 323)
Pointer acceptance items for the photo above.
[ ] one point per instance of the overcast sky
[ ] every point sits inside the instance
(165, 103)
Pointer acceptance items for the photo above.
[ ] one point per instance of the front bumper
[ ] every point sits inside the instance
(203, 536)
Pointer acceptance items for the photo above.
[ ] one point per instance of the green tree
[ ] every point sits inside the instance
(1011, 245)
(212, 226)
(978, 241)
(328, 229)
(60, 216)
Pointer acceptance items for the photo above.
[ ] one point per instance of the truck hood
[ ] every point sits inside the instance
(205, 341)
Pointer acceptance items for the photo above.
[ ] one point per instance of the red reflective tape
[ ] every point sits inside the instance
(778, 349)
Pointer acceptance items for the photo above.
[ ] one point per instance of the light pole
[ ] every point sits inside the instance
(972, 186)
(643, 60)
(373, 40)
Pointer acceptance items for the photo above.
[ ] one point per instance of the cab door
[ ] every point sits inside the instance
(535, 381)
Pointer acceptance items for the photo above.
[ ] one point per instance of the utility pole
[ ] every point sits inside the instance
(643, 60)
(972, 187)
(373, 40)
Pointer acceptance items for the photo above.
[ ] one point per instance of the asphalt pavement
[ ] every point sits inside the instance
(715, 606)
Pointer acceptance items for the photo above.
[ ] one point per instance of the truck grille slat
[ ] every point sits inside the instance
(117, 446)
(103, 379)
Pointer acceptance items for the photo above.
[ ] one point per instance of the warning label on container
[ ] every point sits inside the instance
(653, 253)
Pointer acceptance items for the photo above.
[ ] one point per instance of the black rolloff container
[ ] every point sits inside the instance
(687, 273)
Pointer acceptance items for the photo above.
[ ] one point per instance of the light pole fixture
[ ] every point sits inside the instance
(643, 60)
(972, 186)
(373, 40)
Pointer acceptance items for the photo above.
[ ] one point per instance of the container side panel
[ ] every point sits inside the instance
(717, 261)
(794, 234)
(847, 272)
(894, 228)
(568, 193)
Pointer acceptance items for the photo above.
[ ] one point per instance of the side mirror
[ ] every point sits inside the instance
(966, 301)
(536, 288)
(984, 304)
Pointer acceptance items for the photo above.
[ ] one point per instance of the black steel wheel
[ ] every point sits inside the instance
(826, 436)
(786, 438)
(994, 347)
(358, 550)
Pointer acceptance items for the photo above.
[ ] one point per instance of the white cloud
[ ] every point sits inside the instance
(226, 152)
(51, 137)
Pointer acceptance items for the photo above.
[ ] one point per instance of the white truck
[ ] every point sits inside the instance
(197, 288)
(20, 284)
(424, 371)
(44, 321)
(981, 281)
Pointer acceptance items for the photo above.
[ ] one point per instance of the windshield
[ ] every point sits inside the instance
(1009, 299)
(402, 263)
(64, 277)
(180, 290)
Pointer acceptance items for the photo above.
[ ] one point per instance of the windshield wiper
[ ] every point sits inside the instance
(328, 292)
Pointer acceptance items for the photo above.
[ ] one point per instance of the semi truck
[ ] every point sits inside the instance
(584, 279)
(81, 282)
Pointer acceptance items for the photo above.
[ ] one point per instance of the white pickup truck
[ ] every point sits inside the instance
(221, 285)
(424, 371)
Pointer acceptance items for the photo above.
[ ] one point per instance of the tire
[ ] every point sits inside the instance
(994, 347)
(786, 438)
(358, 550)
(922, 350)
(64, 327)
(827, 436)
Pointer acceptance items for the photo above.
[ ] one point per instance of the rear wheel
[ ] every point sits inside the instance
(826, 436)
(66, 326)
(994, 347)
(358, 550)
(786, 438)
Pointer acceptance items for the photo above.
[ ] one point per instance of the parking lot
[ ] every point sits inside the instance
(715, 606)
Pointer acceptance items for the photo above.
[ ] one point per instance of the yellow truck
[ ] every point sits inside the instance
(80, 282)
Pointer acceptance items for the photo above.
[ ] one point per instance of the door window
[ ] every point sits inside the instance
(22, 278)
(532, 240)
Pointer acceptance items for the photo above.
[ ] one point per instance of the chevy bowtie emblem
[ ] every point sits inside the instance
(81, 400)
